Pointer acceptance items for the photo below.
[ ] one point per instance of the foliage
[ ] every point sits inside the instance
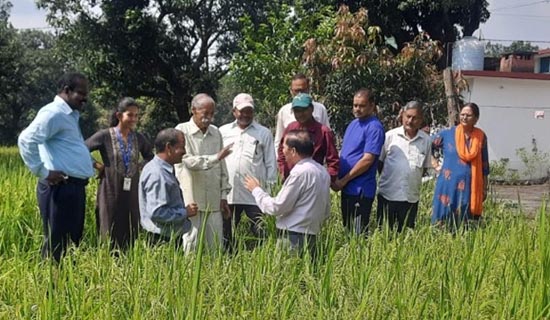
(534, 161)
(495, 50)
(501, 172)
(166, 51)
(341, 52)
(500, 270)
(404, 20)
(353, 58)
(28, 74)
(270, 55)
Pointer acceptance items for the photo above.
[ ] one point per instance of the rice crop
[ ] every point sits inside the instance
(498, 270)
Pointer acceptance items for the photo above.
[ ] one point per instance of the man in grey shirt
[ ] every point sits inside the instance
(162, 210)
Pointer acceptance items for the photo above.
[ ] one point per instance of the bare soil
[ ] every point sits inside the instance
(527, 197)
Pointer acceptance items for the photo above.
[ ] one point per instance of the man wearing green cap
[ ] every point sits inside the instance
(298, 84)
(321, 135)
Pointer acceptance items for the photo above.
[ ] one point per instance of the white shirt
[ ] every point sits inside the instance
(286, 117)
(252, 154)
(203, 178)
(303, 202)
(404, 162)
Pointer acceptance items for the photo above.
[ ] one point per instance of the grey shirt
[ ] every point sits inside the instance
(161, 205)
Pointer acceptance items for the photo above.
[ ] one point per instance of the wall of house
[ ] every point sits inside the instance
(507, 115)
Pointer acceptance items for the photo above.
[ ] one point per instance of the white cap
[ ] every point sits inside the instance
(243, 100)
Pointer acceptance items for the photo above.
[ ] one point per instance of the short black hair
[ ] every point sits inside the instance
(300, 76)
(364, 92)
(70, 80)
(474, 107)
(301, 141)
(167, 136)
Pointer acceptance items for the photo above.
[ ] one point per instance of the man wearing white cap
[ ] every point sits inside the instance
(253, 155)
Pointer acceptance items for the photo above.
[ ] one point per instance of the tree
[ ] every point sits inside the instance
(164, 50)
(444, 21)
(28, 73)
(343, 54)
(270, 54)
(496, 49)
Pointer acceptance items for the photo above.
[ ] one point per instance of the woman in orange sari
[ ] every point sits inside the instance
(462, 184)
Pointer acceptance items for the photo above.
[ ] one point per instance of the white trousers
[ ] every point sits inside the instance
(213, 233)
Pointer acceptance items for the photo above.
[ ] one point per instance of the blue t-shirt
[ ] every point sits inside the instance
(362, 136)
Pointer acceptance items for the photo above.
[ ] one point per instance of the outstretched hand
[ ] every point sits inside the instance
(251, 183)
(225, 151)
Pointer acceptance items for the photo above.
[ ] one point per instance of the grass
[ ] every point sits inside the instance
(499, 271)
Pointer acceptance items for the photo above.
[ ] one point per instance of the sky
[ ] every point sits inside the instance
(527, 20)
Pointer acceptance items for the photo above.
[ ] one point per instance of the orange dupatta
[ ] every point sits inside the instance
(472, 155)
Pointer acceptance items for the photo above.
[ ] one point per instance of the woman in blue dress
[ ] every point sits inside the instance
(462, 184)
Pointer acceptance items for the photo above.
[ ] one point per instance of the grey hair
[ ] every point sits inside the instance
(414, 105)
(200, 100)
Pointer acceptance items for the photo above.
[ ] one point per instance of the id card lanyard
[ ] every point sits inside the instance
(126, 158)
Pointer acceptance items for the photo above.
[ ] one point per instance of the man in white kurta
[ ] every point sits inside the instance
(285, 116)
(203, 174)
(252, 154)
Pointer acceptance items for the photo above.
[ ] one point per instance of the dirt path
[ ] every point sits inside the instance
(530, 197)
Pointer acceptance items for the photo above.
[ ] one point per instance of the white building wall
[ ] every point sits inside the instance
(507, 115)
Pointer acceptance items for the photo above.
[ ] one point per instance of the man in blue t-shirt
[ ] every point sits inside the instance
(362, 144)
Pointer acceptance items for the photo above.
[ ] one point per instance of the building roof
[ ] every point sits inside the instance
(509, 75)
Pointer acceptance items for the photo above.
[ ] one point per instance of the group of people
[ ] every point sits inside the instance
(204, 178)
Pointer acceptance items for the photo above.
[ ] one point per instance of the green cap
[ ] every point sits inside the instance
(301, 100)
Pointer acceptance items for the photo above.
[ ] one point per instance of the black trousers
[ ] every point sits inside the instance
(402, 213)
(356, 213)
(252, 212)
(62, 208)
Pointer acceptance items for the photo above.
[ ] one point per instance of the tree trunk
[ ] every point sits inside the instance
(452, 101)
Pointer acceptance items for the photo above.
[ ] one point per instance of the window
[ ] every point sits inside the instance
(544, 65)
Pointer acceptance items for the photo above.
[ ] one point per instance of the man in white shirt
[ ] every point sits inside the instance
(252, 155)
(303, 203)
(299, 84)
(403, 160)
(202, 173)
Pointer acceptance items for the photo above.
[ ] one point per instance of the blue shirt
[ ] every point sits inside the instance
(362, 136)
(161, 205)
(53, 141)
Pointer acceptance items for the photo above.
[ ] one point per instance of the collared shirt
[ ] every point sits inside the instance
(404, 162)
(202, 176)
(324, 148)
(362, 136)
(252, 154)
(286, 117)
(303, 202)
(53, 141)
(161, 205)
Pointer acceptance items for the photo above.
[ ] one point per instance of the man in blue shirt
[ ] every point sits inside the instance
(163, 212)
(362, 144)
(53, 148)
